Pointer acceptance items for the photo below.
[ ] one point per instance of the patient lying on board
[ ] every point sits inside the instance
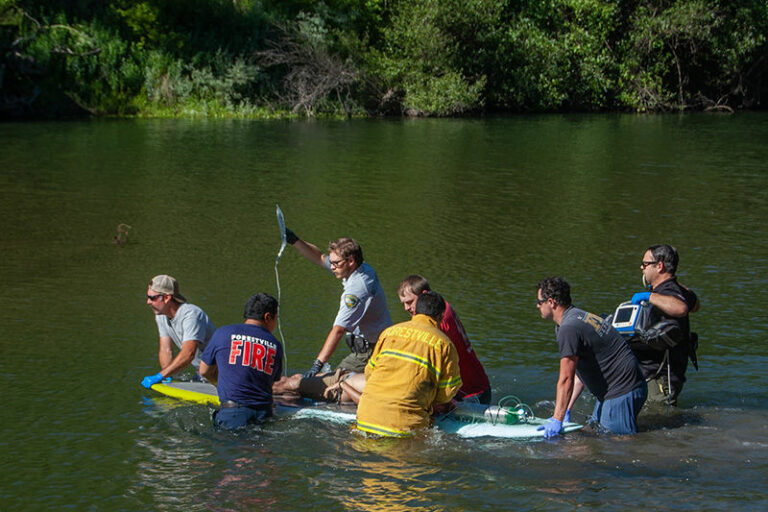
(341, 386)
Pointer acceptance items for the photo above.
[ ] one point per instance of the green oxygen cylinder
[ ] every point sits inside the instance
(496, 414)
(491, 414)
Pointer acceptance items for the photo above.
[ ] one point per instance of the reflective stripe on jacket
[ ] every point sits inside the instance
(414, 366)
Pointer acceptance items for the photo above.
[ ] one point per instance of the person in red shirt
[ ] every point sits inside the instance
(476, 385)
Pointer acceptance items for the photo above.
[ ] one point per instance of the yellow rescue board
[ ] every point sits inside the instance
(198, 392)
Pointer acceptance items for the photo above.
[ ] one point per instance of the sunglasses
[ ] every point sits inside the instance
(539, 302)
(153, 298)
(644, 264)
(336, 263)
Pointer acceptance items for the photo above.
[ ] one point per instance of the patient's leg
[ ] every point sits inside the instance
(287, 385)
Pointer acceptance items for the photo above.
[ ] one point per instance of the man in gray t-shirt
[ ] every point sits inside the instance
(591, 349)
(363, 312)
(178, 323)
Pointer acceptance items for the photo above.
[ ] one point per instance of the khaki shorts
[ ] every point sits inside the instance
(356, 362)
(314, 387)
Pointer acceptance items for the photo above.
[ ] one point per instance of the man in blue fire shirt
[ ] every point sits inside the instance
(592, 349)
(243, 361)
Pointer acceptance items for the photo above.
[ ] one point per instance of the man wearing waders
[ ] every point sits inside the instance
(664, 364)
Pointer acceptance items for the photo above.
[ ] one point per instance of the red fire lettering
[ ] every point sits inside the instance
(257, 360)
(269, 366)
(234, 350)
(247, 352)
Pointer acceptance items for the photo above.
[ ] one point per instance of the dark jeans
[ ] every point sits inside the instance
(619, 415)
(236, 417)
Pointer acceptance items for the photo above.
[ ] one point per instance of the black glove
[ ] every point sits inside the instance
(316, 367)
(290, 236)
(663, 335)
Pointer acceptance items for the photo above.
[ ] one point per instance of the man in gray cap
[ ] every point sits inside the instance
(184, 324)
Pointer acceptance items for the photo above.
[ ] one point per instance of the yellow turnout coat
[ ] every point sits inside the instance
(413, 366)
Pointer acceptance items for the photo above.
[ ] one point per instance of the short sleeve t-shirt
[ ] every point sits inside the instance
(189, 323)
(249, 360)
(672, 288)
(473, 376)
(363, 306)
(606, 364)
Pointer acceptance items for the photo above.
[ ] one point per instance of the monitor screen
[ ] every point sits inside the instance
(623, 315)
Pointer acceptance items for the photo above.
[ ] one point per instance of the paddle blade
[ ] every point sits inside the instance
(281, 222)
(281, 225)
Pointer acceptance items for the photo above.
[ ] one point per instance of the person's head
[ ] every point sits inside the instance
(659, 263)
(344, 255)
(163, 295)
(409, 290)
(431, 304)
(262, 309)
(554, 293)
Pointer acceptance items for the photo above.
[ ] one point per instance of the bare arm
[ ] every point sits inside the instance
(286, 384)
(182, 359)
(164, 351)
(578, 387)
(565, 385)
(310, 251)
(352, 388)
(331, 342)
(349, 393)
(210, 372)
(670, 305)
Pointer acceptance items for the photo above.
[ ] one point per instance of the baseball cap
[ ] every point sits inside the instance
(166, 284)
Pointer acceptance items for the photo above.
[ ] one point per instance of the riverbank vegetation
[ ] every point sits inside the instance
(262, 58)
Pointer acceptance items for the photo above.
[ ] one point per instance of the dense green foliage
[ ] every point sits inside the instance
(369, 57)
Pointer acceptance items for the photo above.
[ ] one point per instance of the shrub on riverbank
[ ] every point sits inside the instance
(251, 58)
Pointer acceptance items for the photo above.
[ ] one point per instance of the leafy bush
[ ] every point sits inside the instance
(426, 57)
(420, 62)
(560, 55)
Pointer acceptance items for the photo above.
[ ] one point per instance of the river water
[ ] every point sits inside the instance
(483, 208)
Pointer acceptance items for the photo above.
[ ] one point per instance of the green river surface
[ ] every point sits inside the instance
(483, 208)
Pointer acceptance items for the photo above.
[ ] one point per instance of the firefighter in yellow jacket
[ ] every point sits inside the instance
(414, 367)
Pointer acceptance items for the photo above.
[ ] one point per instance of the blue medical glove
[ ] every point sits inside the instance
(552, 428)
(641, 296)
(290, 236)
(316, 367)
(151, 380)
(567, 417)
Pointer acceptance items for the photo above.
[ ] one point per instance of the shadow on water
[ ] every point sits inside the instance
(658, 417)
